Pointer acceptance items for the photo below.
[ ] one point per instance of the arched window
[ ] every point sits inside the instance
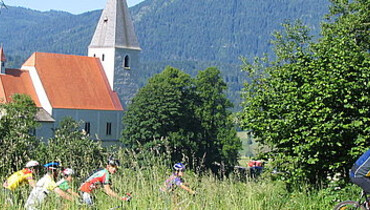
(94, 55)
(126, 62)
(103, 57)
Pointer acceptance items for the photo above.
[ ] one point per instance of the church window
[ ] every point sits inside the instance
(126, 62)
(103, 57)
(87, 127)
(109, 129)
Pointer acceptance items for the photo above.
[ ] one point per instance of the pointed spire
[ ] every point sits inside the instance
(2, 54)
(2, 60)
(115, 27)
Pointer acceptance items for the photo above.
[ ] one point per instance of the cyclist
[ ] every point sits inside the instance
(64, 183)
(44, 186)
(176, 180)
(98, 179)
(24, 176)
(360, 172)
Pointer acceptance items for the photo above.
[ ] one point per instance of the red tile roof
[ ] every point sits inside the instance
(74, 82)
(16, 81)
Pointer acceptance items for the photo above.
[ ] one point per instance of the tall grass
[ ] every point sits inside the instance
(144, 178)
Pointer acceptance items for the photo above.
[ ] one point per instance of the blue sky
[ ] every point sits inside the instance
(72, 6)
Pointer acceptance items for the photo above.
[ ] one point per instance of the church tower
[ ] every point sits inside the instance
(115, 44)
(2, 60)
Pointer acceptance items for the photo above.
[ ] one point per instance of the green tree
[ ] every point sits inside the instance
(218, 141)
(17, 144)
(189, 116)
(73, 148)
(311, 105)
(163, 109)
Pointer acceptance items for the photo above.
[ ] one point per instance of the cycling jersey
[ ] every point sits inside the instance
(18, 178)
(38, 194)
(101, 177)
(361, 168)
(63, 185)
(46, 184)
(172, 182)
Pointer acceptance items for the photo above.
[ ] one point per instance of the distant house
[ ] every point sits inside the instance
(88, 89)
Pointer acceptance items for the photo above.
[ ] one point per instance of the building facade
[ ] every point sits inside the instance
(90, 89)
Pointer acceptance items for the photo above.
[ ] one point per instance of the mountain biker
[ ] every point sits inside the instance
(98, 179)
(44, 186)
(64, 183)
(360, 172)
(176, 180)
(24, 176)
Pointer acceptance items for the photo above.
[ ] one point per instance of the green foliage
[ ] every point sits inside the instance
(311, 105)
(73, 148)
(191, 115)
(16, 141)
(219, 142)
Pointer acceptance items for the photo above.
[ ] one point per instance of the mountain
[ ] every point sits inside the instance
(187, 34)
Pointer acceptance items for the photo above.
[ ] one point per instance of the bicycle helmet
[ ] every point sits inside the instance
(113, 162)
(52, 165)
(179, 167)
(68, 172)
(32, 163)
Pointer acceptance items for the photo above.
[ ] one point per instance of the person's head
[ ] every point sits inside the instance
(112, 165)
(179, 169)
(68, 174)
(52, 168)
(32, 165)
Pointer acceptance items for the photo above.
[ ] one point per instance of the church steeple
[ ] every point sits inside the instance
(2, 60)
(115, 27)
(116, 44)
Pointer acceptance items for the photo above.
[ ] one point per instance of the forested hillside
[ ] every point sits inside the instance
(190, 35)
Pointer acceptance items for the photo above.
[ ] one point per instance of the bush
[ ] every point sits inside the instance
(73, 148)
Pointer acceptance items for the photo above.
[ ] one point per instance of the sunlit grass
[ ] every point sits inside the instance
(212, 193)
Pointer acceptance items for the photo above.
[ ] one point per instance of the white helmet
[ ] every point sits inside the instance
(68, 172)
(32, 163)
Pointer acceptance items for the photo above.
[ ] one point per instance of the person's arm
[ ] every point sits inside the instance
(70, 191)
(183, 186)
(31, 182)
(111, 193)
(62, 194)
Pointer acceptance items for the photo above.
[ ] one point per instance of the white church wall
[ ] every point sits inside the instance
(40, 91)
(45, 131)
(98, 120)
(125, 79)
(108, 62)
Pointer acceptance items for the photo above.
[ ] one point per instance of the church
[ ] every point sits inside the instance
(91, 89)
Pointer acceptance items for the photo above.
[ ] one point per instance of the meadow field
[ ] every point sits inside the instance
(211, 193)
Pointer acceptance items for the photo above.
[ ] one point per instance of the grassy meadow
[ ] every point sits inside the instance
(212, 193)
(143, 180)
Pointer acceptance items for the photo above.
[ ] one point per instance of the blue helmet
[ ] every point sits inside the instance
(52, 165)
(179, 167)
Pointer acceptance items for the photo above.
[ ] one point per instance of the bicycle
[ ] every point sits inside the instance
(362, 203)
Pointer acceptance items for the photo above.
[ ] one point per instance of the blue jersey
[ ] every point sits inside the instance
(361, 168)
